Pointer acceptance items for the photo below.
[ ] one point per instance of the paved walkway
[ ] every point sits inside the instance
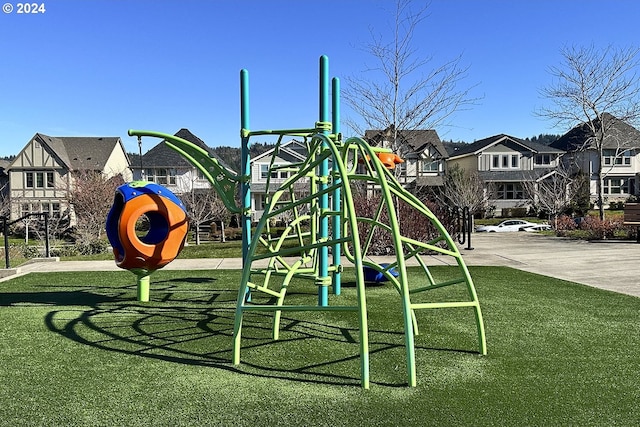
(611, 265)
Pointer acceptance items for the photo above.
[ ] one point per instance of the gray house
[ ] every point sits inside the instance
(166, 167)
(505, 163)
(620, 160)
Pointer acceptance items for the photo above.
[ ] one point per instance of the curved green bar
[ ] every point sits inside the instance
(285, 264)
(222, 180)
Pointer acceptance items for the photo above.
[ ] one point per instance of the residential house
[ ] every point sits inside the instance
(621, 160)
(423, 153)
(42, 174)
(279, 160)
(506, 164)
(167, 167)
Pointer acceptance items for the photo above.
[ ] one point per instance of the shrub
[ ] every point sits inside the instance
(600, 229)
(564, 224)
(29, 251)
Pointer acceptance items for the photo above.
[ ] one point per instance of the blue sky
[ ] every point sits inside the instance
(100, 67)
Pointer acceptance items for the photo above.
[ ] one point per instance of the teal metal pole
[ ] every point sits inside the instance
(323, 264)
(245, 166)
(337, 219)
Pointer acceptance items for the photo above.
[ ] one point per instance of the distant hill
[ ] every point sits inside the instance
(544, 138)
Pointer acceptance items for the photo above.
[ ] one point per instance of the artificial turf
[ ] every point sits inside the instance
(77, 349)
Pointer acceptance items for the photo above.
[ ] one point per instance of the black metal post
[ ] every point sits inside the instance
(46, 234)
(467, 221)
(458, 220)
(5, 228)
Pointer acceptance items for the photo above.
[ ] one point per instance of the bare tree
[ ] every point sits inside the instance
(595, 88)
(464, 189)
(5, 205)
(204, 205)
(405, 91)
(91, 196)
(555, 192)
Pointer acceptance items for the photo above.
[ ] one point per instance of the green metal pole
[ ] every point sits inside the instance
(323, 264)
(143, 287)
(245, 166)
(337, 219)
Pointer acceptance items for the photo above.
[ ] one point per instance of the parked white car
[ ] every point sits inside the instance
(538, 227)
(508, 225)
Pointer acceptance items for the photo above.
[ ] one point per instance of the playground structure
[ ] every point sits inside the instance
(167, 233)
(326, 227)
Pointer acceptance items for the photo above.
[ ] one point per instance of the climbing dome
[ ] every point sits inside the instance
(353, 164)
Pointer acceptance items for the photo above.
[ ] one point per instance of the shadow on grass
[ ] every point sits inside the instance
(193, 325)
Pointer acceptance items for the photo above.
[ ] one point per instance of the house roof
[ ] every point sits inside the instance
(162, 156)
(81, 153)
(417, 140)
(292, 148)
(619, 135)
(478, 146)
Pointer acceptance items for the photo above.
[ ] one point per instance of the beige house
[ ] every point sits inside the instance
(505, 163)
(42, 173)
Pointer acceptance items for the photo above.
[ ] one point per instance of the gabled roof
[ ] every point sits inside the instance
(161, 156)
(417, 140)
(80, 153)
(619, 135)
(479, 146)
(292, 148)
(4, 164)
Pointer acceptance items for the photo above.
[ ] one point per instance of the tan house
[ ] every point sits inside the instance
(42, 173)
(505, 163)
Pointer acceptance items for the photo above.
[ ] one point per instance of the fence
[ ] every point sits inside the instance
(5, 227)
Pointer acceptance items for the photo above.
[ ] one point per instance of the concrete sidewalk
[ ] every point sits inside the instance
(611, 265)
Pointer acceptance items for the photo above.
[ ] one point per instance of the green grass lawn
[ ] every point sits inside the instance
(77, 349)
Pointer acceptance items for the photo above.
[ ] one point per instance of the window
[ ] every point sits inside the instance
(39, 180)
(510, 191)
(52, 208)
(264, 171)
(613, 158)
(29, 180)
(505, 161)
(615, 186)
(430, 166)
(162, 176)
(542, 159)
